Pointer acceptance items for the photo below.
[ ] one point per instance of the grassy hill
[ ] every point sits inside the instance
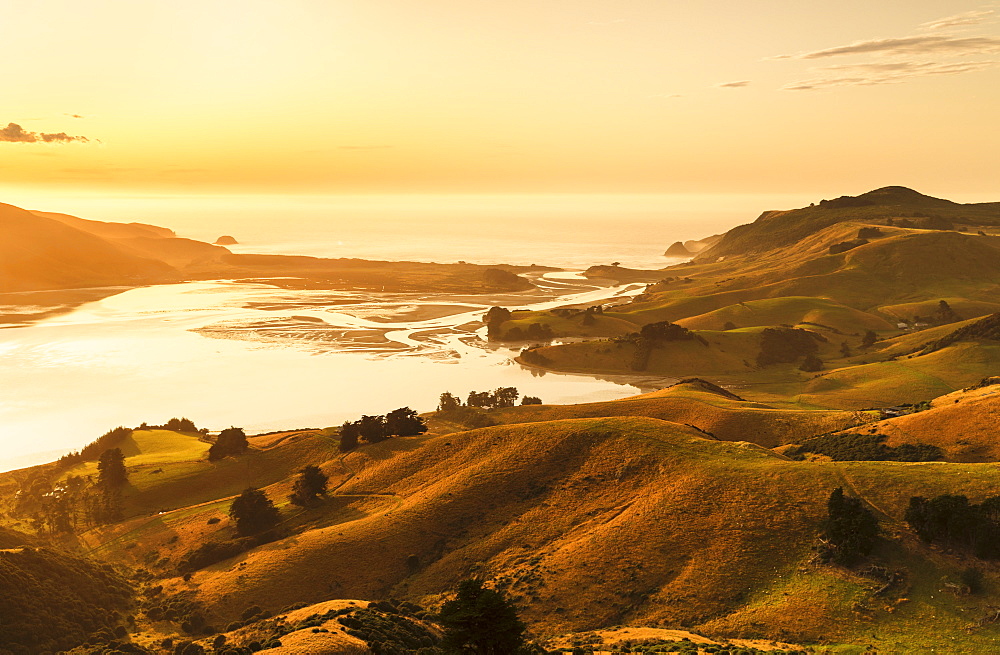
(596, 522)
(37, 253)
(776, 229)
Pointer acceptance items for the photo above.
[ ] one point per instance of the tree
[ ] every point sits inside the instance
(371, 428)
(111, 469)
(505, 397)
(480, 620)
(404, 422)
(348, 436)
(308, 486)
(231, 441)
(448, 402)
(811, 364)
(531, 400)
(850, 528)
(869, 339)
(845, 350)
(480, 399)
(253, 512)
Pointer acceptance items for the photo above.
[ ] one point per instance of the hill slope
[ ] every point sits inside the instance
(37, 252)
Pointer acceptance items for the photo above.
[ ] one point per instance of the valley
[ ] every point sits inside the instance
(853, 344)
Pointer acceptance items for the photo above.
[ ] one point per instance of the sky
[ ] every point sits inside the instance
(500, 96)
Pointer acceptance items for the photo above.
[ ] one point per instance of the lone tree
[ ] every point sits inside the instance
(850, 528)
(869, 339)
(253, 512)
(482, 621)
(404, 422)
(111, 469)
(308, 486)
(348, 436)
(231, 441)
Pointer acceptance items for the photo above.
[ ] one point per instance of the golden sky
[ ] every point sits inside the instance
(637, 96)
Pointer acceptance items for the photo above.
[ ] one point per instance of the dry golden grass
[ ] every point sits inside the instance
(963, 424)
(588, 523)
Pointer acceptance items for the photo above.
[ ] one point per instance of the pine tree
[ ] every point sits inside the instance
(111, 469)
(850, 528)
(482, 621)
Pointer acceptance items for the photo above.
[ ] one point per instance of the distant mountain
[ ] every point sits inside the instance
(888, 205)
(107, 230)
(39, 253)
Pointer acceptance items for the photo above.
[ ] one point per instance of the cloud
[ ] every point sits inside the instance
(909, 45)
(960, 20)
(667, 95)
(14, 133)
(872, 74)
(733, 85)
(74, 115)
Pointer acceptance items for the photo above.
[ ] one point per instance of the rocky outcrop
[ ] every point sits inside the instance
(677, 249)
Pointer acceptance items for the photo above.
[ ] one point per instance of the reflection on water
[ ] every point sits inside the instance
(253, 355)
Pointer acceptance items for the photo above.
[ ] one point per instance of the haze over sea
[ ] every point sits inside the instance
(265, 358)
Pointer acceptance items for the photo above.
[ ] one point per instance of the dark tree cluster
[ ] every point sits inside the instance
(855, 447)
(52, 602)
(498, 398)
(786, 345)
(850, 529)
(531, 355)
(66, 506)
(94, 449)
(402, 422)
(494, 318)
(870, 233)
(533, 332)
(175, 424)
(650, 336)
(953, 521)
(231, 442)
(985, 328)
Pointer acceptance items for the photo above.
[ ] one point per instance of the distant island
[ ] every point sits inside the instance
(226, 240)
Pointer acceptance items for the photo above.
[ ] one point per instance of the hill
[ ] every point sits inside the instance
(596, 522)
(53, 601)
(38, 253)
(962, 423)
(775, 229)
